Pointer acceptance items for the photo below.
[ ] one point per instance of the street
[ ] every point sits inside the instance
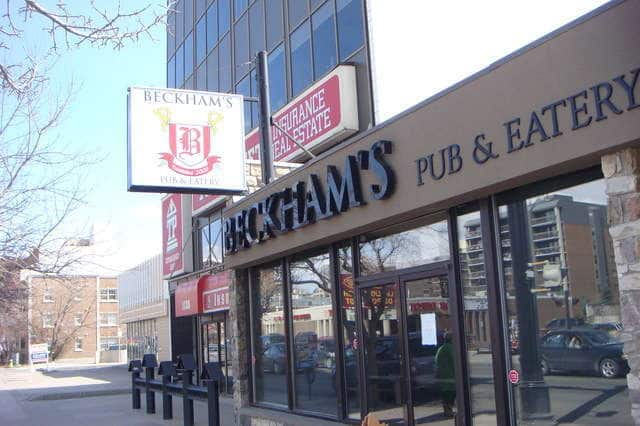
(84, 395)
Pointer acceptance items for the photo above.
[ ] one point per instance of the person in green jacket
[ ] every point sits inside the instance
(445, 374)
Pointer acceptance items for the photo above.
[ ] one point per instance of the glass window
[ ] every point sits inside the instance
(560, 288)
(200, 5)
(201, 77)
(275, 23)
(239, 6)
(215, 232)
(212, 71)
(298, 10)
(108, 319)
(244, 88)
(108, 294)
(201, 40)
(179, 21)
(269, 345)
(171, 33)
(349, 331)
(301, 73)
(396, 248)
(171, 72)
(78, 344)
(180, 66)
(77, 319)
(315, 3)
(188, 15)
(188, 55)
(204, 241)
(255, 114)
(241, 48)
(189, 83)
(256, 26)
(314, 342)
(212, 26)
(324, 40)
(277, 79)
(224, 16)
(476, 318)
(350, 30)
(225, 71)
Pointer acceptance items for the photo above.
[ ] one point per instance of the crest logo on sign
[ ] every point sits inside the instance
(189, 144)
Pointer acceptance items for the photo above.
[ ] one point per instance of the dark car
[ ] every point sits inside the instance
(274, 358)
(564, 323)
(583, 350)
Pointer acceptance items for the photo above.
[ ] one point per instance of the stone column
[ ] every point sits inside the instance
(622, 176)
(240, 335)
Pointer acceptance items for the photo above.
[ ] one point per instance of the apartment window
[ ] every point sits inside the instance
(301, 72)
(298, 9)
(350, 29)
(47, 296)
(324, 39)
(277, 78)
(108, 319)
(212, 71)
(47, 320)
(244, 88)
(239, 7)
(78, 344)
(108, 294)
(179, 59)
(77, 319)
(256, 27)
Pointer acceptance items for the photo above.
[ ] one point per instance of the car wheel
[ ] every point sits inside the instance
(277, 369)
(609, 368)
(544, 366)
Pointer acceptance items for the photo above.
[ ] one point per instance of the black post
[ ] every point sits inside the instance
(266, 150)
(135, 392)
(213, 403)
(187, 402)
(167, 401)
(151, 395)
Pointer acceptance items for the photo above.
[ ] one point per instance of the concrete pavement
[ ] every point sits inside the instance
(84, 395)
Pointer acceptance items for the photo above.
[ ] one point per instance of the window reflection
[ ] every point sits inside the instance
(562, 307)
(398, 249)
(314, 352)
(269, 349)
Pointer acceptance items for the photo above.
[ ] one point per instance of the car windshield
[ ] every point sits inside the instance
(600, 337)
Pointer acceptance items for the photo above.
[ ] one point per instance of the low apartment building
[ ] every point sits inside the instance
(77, 315)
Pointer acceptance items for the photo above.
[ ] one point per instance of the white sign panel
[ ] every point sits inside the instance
(185, 141)
(428, 329)
(39, 353)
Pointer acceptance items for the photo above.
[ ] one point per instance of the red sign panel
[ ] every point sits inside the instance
(514, 377)
(201, 202)
(172, 241)
(188, 301)
(215, 292)
(346, 285)
(319, 115)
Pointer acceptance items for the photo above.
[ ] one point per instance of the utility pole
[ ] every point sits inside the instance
(266, 149)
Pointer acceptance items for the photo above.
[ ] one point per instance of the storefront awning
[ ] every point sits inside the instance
(209, 293)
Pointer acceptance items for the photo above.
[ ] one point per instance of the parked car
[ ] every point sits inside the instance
(613, 328)
(274, 358)
(564, 323)
(269, 339)
(582, 350)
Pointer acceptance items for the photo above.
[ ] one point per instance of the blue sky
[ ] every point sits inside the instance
(130, 222)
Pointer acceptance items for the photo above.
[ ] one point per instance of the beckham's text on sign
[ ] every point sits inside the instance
(322, 115)
(185, 141)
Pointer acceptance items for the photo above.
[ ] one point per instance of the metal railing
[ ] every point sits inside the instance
(545, 234)
(543, 219)
(189, 392)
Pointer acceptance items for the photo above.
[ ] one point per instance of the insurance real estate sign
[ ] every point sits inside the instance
(184, 141)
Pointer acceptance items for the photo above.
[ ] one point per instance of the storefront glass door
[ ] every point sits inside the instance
(407, 352)
(214, 347)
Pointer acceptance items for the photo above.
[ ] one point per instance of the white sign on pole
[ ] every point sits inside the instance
(185, 141)
(39, 353)
(428, 329)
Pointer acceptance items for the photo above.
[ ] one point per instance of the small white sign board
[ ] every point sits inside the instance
(39, 353)
(428, 329)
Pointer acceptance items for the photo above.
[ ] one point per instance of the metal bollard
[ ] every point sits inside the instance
(135, 366)
(166, 370)
(213, 403)
(149, 362)
(187, 403)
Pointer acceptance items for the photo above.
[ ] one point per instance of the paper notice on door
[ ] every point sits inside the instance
(428, 329)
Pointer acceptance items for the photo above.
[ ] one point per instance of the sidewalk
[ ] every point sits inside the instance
(77, 396)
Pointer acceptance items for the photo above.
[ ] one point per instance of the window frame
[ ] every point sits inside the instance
(112, 295)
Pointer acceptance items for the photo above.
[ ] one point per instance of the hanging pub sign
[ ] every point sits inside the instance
(321, 116)
(184, 141)
(176, 227)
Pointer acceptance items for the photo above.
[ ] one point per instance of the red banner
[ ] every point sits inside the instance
(215, 292)
(188, 301)
(172, 241)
